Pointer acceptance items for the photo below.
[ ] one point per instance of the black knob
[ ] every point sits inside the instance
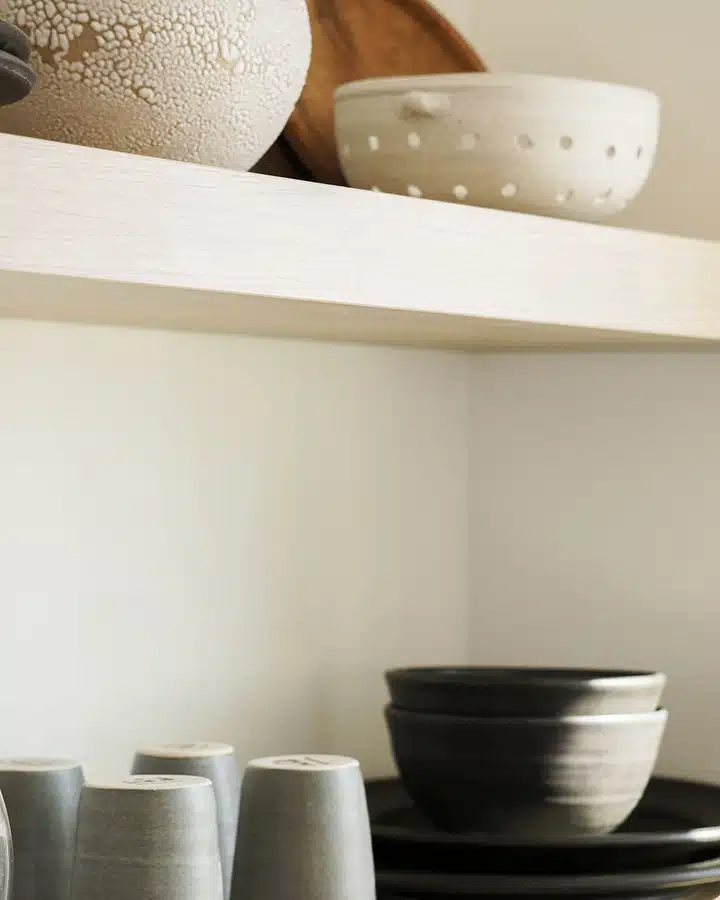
(16, 79)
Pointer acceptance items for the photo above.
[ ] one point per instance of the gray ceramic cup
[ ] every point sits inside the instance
(148, 837)
(213, 761)
(303, 831)
(41, 796)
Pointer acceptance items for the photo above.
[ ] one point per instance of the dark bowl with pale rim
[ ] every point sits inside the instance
(526, 777)
(484, 691)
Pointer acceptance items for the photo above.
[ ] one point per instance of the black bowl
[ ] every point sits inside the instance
(484, 691)
(526, 777)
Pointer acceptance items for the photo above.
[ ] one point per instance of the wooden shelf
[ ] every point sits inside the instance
(97, 237)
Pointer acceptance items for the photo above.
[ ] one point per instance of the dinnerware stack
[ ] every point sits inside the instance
(536, 782)
(527, 752)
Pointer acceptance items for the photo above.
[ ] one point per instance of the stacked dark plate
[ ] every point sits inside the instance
(571, 751)
(16, 76)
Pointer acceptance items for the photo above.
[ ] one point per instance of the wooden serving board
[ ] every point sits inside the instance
(354, 39)
(281, 160)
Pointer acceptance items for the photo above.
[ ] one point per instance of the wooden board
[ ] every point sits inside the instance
(281, 161)
(354, 39)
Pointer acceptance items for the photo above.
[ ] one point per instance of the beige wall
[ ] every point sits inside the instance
(596, 502)
(666, 46)
(223, 538)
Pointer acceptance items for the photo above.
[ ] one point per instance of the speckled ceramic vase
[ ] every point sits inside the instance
(208, 82)
(214, 761)
(303, 831)
(41, 796)
(148, 837)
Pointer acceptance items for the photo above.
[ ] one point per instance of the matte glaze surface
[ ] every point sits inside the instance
(149, 837)
(42, 799)
(206, 760)
(516, 691)
(303, 832)
(526, 777)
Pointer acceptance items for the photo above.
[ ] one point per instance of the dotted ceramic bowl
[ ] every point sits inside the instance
(530, 143)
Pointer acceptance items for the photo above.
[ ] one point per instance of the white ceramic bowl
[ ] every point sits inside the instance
(530, 143)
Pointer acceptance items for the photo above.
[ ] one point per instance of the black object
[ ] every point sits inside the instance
(17, 79)
(526, 777)
(676, 822)
(14, 41)
(677, 882)
(524, 691)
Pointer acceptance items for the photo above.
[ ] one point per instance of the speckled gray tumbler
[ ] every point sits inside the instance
(148, 837)
(213, 761)
(42, 798)
(303, 831)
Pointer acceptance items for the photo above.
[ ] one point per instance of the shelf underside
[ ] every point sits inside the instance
(97, 237)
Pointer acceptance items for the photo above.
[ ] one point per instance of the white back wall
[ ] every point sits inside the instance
(595, 534)
(222, 538)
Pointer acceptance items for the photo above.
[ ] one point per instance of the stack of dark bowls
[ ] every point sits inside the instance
(17, 78)
(520, 782)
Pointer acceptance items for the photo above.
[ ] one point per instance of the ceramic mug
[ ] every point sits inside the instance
(41, 796)
(207, 760)
(148, 837)
(303, 831)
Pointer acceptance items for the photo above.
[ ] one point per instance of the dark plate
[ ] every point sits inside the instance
(706, 892)
(681, 881)
(676, 823)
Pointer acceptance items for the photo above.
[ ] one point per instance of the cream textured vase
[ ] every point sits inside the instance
(205, 81)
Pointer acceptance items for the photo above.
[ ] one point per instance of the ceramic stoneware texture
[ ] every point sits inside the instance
(539, 144)
(42, 802)
(205, 81)
(149, 837)
(207, 760)
(304, 831)
(524, 691)
(526, 777)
